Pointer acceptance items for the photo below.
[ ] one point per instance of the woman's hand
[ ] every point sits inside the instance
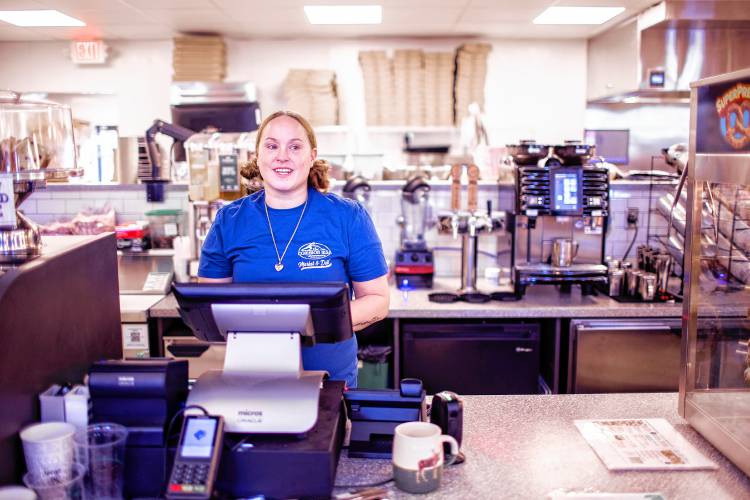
(371, 301)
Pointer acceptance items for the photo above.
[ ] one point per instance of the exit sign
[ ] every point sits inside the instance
(88, 52)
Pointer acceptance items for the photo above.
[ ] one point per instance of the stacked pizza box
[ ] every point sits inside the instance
(408, 87)
(199, 58)
(377, 74)
(471, 71)
(312, 93)
(438, 88)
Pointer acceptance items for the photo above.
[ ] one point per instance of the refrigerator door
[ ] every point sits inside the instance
(644, 355)
(624, 356)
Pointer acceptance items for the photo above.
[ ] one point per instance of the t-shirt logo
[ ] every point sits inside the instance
(316, 256)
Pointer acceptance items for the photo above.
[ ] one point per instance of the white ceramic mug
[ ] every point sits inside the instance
(49, 450)
(418, 456)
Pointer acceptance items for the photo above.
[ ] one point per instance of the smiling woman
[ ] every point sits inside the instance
(293, 231)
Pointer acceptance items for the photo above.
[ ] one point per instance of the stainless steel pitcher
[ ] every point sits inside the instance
(564, 251)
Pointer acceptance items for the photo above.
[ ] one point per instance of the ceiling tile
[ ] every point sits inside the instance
(20, 5)
(110, 16)
(476, 15)
(438, 16)
(138, 32)
(169, 4)
(65, 5)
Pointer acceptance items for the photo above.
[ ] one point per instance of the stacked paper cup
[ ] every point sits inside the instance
(49, 450)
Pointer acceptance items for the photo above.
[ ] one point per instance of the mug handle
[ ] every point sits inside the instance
(454, 448)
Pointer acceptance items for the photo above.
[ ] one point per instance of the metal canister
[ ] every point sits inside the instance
(616, 277)
(639, 251)
(647, 286)
(663, 269)
(632, 278)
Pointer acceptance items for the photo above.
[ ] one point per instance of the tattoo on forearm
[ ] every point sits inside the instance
(368, 321)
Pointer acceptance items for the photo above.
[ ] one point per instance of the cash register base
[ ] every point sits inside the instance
(276, 466)
(285, 466)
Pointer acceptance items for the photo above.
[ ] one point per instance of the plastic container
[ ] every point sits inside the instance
(100, 449)
(164, 225)
(36, 139)
(68, 489)
(373, 367)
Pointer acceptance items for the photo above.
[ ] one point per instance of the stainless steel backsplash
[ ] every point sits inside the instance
(652, 127)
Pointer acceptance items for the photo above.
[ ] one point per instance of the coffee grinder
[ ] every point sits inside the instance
(36, 146)
(414, 267)
(562, 209)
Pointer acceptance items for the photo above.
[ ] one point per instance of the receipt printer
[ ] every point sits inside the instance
(376, 413)
(143, 395)
(144, 392)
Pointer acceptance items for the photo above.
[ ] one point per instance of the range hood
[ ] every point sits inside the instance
(654, 56)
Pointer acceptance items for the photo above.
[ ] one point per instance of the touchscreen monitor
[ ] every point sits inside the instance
(566, 191)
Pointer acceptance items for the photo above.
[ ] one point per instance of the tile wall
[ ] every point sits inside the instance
(59, 202)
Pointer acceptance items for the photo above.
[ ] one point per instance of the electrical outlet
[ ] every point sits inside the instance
(632, 216)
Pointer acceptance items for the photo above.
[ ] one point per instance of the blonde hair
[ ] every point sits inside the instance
(318, 177)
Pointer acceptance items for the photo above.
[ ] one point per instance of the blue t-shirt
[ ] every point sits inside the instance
(335, 241)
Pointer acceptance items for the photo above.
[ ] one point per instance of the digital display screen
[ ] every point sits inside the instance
(198, 439)
(612, 145)
(567, 194)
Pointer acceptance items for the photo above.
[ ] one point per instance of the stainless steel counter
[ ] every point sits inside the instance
(527, 446)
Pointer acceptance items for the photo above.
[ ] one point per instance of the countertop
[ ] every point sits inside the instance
(134, 308)
(527, 446)
(539, 302)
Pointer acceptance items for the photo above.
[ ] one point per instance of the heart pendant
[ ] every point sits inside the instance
(279, 266)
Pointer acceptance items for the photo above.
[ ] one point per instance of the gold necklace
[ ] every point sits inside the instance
(279, 266)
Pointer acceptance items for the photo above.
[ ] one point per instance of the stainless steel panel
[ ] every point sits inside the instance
(625, 356)
(723, 169)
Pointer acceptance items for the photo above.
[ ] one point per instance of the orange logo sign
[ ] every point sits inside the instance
(734, 114)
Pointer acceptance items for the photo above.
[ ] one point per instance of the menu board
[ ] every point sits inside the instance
(641, 444)
(723, 118)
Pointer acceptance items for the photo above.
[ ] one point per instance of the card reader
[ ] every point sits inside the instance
(197, 459)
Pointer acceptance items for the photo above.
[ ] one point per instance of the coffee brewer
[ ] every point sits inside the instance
(562, 209)
(414, 266)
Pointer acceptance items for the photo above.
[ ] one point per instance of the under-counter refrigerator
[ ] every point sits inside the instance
(643, 355)
(472, 358)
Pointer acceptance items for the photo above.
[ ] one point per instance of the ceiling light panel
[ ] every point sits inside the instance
(577, 15)
(344, 14)
(35, 18)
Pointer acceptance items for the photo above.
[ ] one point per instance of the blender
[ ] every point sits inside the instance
(36, 145)
(414, 266)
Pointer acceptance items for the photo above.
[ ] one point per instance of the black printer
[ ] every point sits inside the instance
(143, 395)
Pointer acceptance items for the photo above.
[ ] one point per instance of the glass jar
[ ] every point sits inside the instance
(36, 139)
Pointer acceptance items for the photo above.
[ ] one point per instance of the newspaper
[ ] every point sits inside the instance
(641, 444)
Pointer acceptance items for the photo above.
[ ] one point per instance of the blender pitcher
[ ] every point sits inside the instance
(415, 212)
(414, 266)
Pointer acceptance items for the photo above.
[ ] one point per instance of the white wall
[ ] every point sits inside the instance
(534, 88)
(137, 77)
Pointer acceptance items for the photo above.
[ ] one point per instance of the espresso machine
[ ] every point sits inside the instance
(562, 210)
(414, 266)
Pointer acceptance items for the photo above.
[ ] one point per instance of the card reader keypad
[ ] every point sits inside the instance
(189, 478)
